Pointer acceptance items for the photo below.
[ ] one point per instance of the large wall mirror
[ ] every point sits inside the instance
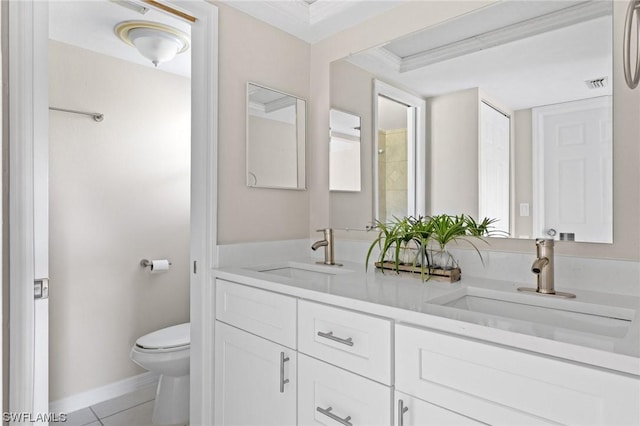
(276, 137)
(519, 101)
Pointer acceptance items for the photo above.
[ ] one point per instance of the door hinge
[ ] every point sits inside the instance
(41, 288)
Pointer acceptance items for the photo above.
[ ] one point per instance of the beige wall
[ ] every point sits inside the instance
(353, 95)
(454, 190)
(522, 152)
(251, 50)
(119, 192)
(273, 159)
(416, 15)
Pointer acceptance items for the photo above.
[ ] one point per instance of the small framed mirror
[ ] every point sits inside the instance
(276, 138)
(344, 151)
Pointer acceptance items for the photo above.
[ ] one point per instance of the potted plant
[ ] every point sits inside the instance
(401, 242)
(415, 235)
(446, 229)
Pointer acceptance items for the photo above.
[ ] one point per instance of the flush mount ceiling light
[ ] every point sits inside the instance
(156, 42)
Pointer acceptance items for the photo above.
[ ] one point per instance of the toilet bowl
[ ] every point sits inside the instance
(166, 352)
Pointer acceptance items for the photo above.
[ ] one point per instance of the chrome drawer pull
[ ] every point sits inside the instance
(330, 336)
(327, 412)
(401, 410)
(283, 381)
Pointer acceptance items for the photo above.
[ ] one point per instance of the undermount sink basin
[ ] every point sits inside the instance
(304, 271)
(570, 314)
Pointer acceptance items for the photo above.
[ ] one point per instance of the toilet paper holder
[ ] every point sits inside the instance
(148, 263)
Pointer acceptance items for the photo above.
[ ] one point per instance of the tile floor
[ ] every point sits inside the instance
(133, 409)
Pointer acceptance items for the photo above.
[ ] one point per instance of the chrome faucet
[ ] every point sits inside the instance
(543, 268)
(327, 243)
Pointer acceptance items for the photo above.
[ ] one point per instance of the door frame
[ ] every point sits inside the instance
(28, 109)
(28, 25)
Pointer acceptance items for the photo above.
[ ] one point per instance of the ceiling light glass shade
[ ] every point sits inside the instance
(155, 45)
(155, 41)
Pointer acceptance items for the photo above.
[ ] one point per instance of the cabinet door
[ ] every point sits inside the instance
(412, 411)
(502, 386)
(331, 396)
(255, 380)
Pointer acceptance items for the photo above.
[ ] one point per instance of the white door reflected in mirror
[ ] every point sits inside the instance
(275, 139)
(573, 170)
(344, 151)
(494, 155)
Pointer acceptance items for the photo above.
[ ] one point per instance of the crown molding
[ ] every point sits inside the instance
(572, 15)
(315, 21)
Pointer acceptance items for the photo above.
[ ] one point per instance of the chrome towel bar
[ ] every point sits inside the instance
(95, 115)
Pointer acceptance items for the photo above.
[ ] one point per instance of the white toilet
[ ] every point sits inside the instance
(166, 352)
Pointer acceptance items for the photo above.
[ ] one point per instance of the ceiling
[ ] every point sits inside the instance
(314, 20)
(89, 23)
(408, 62)
(523, 54)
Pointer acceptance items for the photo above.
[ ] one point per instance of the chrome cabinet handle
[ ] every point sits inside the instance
(401, 410)
(348, 341)
(283, 381)
(327, 412)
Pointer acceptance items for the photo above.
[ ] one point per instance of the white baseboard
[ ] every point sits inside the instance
(103, 393)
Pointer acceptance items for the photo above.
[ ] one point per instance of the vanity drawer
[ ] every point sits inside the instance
(498, 385)
(357, 342)
(267, 314)
(328, 394)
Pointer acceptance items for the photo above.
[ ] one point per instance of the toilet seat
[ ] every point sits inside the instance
(167, 352)
(171, 338)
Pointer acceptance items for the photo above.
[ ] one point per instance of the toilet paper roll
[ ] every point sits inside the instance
(158, 266)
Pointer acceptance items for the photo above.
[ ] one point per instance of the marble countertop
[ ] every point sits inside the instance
(610, 338)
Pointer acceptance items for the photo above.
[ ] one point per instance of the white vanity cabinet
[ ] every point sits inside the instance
(255, 357)
(344, 367)
(287, 360)
(255, 379)
(498, 385)
(341, 372)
